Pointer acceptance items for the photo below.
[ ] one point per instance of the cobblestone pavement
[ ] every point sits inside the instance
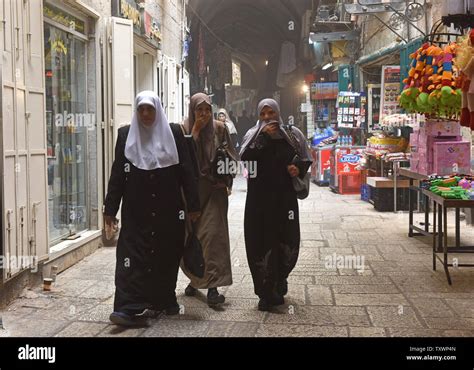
(396, 293)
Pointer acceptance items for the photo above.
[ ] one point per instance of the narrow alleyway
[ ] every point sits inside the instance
(396, 293)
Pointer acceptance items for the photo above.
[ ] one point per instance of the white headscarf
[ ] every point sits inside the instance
(228, 122)
(153, 147)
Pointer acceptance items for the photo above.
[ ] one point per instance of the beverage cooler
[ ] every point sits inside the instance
(345, 171)
(321, 167)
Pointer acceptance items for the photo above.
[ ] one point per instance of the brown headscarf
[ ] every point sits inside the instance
(205, 144)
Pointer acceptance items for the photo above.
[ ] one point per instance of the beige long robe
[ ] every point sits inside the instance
(212, 228)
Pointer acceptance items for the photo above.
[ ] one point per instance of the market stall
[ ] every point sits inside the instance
(456, 192)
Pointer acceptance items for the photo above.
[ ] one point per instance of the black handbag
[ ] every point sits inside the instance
(222, 160)
(193, 258)
(301, 185)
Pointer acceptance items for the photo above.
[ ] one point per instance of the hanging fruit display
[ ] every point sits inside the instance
(434, 82)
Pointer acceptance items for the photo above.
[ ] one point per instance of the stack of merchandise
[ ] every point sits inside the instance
(437, 148)
(396, 157)
(401, 120)
(322, 135)
(381, 144)
(455, 187)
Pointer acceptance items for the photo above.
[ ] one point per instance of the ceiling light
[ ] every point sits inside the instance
(329, 65)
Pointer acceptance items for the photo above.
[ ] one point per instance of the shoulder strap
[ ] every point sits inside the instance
(294, 142)
(182, 128)
(176, 130)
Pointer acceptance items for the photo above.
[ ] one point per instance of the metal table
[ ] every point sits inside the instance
(440, 238)
(412, 229)
(396, 171)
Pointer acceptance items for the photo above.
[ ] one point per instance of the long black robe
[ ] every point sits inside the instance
(271, 225)
(151, 239)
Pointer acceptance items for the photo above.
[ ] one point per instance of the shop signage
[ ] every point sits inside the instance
(144, 24)
(324, 91)
(63, 18)
(306, 108)
(151, 28)
(390, 92)
(350, 159)
(351, 109)
(58, 46)
(236, 74)
(128, 9)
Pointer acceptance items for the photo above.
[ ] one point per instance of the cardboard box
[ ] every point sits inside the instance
(440, 128)
(414, 138)
(452, 157)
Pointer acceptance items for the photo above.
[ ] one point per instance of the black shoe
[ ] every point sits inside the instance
(123, 319)
(264, 305)
(282, 287)
(190, 291)
(214, 298)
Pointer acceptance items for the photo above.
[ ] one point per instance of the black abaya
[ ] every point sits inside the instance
(272, 230)
(151, 239)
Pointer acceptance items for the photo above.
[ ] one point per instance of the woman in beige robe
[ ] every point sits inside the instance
(212, 229)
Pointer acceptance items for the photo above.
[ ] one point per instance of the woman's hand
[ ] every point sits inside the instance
(199, 124)
(111, 222)
(193, 216)
(293, 170)
(271, 129)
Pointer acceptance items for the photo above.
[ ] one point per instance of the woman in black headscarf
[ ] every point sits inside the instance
(272, 230)
(212, 229)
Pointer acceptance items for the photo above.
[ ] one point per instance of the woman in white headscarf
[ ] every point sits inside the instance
(271, 224)
(152, 164)
(223, 116)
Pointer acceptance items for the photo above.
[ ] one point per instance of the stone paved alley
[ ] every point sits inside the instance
(397, 293)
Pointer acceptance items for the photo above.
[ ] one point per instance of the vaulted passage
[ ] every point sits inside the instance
(263, 37)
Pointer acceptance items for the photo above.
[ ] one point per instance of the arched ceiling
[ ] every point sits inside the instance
(251, 27)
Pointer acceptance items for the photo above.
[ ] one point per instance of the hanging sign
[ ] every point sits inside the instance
(390, 91)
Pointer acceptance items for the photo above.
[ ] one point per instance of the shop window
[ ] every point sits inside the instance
(67, 125)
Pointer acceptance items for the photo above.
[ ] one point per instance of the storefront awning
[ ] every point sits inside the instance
(386, 52)
(380, 54)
